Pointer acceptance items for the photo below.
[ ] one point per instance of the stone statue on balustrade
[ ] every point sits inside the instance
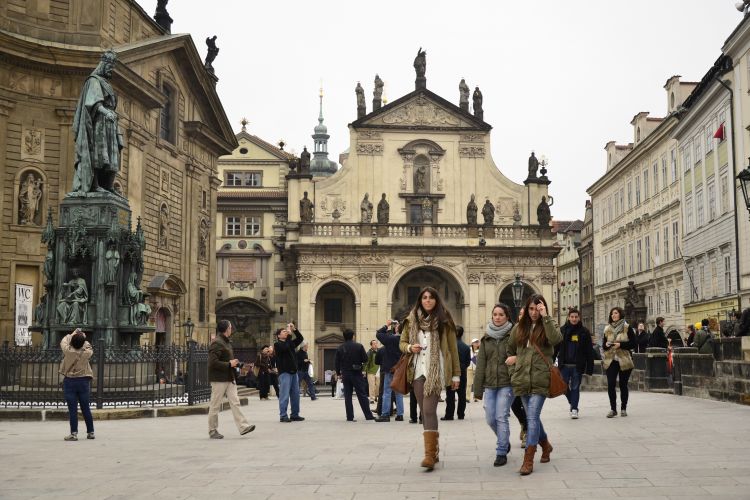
(211, 53)
(361, 108)
(488, 212)
(97, 137)
(306, 207)
(478, 99)
(366, 209)
(73, 303)
(426, 211)
(463, 91)
(377, 94)
(533, 166)
(471, 212)
(139, 310)
(543, 214)
(304, 161)
(383, 210)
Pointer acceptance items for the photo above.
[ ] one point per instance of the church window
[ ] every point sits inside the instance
(166, 122)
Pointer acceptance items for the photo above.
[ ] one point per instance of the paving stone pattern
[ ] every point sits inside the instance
(668, 447)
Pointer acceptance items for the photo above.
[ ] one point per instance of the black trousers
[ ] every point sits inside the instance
(273, 380)
(263, 385)
(612, 373)
(450, 398)
(413, 405)
(354, 381)
(519, 411)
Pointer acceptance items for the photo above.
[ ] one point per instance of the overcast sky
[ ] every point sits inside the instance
(561, 78)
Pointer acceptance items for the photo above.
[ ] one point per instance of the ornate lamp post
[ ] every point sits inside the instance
(517, 288)
(744, 178)
(189, 326)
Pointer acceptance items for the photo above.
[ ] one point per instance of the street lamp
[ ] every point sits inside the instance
(744, 178)
(189, 326)
(517, 288)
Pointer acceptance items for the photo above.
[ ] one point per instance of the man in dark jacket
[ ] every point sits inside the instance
(350, 360)
(575, 356)
(464, 360)
(642, 337)
(658, 338)
(221, 375)
(390, 338)
(303, 372)
(287, 341)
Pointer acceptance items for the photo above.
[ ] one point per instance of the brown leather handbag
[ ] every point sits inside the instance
(399, 383)
(557, 386)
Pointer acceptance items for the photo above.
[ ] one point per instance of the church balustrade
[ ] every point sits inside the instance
(444, 231)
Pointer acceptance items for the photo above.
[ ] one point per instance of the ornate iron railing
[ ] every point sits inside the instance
(144, 376)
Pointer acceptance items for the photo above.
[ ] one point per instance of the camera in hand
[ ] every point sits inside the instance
(238, 367)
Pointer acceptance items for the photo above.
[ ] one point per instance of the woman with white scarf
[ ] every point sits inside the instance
(617, 341)
(492, 379)
(429, 336)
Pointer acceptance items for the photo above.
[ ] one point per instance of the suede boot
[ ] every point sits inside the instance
(528, 461)
(546, 450)
(430, 449)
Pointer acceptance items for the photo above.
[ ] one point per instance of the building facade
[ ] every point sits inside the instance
(586, 268)
(637, 221)
(173, 125)
(398, 216)
(567, 264)
(707, 179)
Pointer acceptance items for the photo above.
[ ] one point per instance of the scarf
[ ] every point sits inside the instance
(498, 332)
(434, 383)
(617, 326)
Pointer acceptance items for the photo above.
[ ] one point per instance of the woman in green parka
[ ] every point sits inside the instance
(429, 336)
(535, 333)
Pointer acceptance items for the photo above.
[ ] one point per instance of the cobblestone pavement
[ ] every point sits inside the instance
(668, 447)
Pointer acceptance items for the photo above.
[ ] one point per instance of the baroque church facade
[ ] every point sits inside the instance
(418, 201)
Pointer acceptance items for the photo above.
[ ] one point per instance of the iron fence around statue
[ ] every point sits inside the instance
(124, 377)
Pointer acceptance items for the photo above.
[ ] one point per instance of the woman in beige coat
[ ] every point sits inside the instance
(429, 336)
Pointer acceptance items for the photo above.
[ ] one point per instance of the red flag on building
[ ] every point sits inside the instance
(719, 133)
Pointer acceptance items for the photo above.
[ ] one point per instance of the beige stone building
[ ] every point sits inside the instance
(637, 229)
(567, 264)
(174, 129)
(356, 266)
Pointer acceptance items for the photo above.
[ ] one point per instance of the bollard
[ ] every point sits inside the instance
(677, 359)
(656, 369)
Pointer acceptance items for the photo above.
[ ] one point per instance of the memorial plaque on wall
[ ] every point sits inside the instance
(242, 270)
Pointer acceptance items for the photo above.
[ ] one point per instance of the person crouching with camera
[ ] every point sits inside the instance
(76, 369)
(222, 372)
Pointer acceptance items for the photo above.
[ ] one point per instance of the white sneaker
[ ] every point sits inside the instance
(574, 414)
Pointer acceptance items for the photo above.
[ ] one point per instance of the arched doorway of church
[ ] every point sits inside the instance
(252, 325)
(163, 327)
(506, 297)
(335, 311)
(406, 292)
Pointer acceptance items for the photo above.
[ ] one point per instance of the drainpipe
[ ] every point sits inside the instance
(734, 190)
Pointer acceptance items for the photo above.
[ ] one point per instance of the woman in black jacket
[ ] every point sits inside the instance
(617, 341)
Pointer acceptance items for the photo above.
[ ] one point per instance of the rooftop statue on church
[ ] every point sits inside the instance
(464, 92)
(361, 109)
(211, 54)
(377, 94)
(304, 161)
(477, 98)
(543, 213)
(97, 137)
(420, 66)
(533, 166)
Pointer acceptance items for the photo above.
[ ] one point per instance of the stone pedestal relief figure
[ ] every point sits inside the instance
(426, 211)
(164, 226)
(29, 196)
(203, 241)
(139, 310)
(71, 308)
(113, 261)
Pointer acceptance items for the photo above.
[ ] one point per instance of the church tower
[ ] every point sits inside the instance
(321, 166)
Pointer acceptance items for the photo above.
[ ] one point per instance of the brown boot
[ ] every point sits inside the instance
(437, 446)
(528, 461)
(546, 450)
(430, 449)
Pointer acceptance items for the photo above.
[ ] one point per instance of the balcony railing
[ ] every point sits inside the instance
(444, 231)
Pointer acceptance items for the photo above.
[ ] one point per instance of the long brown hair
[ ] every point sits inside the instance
(440, 313)
(525, 335)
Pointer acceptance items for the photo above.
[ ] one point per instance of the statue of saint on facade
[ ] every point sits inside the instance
(112, 256)
(139, 310)
(203, 240)
(420, 63)
(164, 226)
(360, 100)
(97, 138)
(72, 306)
(420, 179)
(30, 193)
(543, 214)
(383, 210)
(306, 209)
(533, 166)
(471, 212)
(49, 265)
(304, 161)
(366, 208)
(211, 54)
(463, 91)
(477, 98)
(632, 296)
(488, 212)
(377, 94)
(426, 210)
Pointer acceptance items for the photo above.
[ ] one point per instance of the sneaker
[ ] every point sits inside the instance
(73, 436)
(284, 419)
(574, 414)
(247, 430)
(90, 435)
(383, 418)
(399, 418)
(297, 419)
(612, 413)
(500, 460)
(623, 413)
(215, 435)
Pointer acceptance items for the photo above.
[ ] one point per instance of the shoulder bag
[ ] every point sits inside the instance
(557, 386)
(399, 383)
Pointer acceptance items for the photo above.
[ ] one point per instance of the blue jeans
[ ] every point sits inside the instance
(78, 390)
(497, 402)
(289, 389)
(571, 377)
(533, 403)
(303, 375)
(385, 407)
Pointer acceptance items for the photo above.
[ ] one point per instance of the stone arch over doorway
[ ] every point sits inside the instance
(407, 286)
(335, 307)
(505, 295)
(163, 327)
(252, 323)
